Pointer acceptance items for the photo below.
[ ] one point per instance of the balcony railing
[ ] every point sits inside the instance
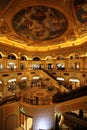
(61, 97)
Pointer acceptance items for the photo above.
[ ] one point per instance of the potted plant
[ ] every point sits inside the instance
(22, 85)
(50, 88)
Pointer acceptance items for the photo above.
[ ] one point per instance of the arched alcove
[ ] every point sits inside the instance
(36, 59)
(74, 83)
(12, 56)
(23, 58)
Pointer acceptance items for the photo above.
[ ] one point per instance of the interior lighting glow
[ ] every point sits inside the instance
(59, 78)
(23, 78)
(11, 80)
(74, 80)
(0, 82)
(36, 77)
(44, 123)
(79, 41)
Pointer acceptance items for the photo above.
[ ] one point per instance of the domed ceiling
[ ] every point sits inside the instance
(41, 25)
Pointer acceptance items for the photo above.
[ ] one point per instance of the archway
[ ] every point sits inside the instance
(74, 83)
(12, 86)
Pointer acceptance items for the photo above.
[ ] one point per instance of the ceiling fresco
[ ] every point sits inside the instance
(81, 10)
(39, 23)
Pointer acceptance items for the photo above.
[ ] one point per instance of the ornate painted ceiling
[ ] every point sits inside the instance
(43, 25)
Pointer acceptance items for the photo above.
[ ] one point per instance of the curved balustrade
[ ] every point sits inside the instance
(41, 98)
(37, 96)
(9, 99)
(37, 100)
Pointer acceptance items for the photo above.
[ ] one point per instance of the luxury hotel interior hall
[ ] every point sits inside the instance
(43, 64)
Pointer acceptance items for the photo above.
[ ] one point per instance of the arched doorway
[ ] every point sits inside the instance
(36, 81)
(12, 86)
(74, 83)
(11, 66)
(60, 80)
(26, 121)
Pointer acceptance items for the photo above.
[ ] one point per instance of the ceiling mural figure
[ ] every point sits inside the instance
(81, 10)
(39, 23)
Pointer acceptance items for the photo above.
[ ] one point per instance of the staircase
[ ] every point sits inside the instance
(52, 80)
(65, 86)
